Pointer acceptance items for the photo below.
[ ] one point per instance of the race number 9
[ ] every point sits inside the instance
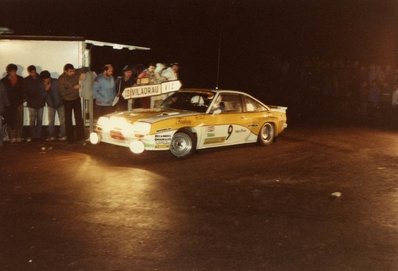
(230, 130)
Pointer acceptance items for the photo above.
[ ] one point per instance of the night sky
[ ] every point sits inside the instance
(187, 31)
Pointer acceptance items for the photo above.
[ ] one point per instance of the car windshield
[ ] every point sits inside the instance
(192, 101)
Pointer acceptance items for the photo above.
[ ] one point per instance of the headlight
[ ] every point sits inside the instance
(94, 138)
(136, 147)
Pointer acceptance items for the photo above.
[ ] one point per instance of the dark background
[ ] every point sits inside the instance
(252, 34)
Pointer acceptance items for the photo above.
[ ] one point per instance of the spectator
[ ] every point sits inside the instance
(158, 99)
(69, 91)
(160, 67)
(54, 105)
(126, 80)
(35, 98)
(104, 91)
(171, 73)
(4, 102)
(13, 84)
(86, 92)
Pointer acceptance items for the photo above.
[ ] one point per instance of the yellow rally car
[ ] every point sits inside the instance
(193, 119)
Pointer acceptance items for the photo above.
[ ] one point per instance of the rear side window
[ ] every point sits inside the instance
(252, 105)
(231, 103)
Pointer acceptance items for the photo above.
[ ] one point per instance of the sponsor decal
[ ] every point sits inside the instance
(162, 140)
(214, 140)
(163, 130)
(149, 145)
(211, 131)
(162, 146)
(184, 121)
(240, 130)
(162, 136)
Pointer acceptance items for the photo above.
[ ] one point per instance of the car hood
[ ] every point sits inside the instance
(151, 115)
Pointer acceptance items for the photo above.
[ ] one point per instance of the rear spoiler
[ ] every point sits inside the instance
(278, 108)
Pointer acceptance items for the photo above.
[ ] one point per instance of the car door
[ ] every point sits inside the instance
(227, 124)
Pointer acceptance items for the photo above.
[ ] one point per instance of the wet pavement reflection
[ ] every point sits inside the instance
(75, 207)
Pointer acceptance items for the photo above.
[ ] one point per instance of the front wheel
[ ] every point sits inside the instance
(182, 144)
(267, 134)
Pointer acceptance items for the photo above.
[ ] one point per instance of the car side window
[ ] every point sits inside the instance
(252, 105)
(231, 103)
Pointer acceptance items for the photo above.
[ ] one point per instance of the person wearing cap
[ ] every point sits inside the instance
(171, 73)
(126, 80)
(104, 91)
(55, 106)
(68, 84)
(13, 115)
(35, 99)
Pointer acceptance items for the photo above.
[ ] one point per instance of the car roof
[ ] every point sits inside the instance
(213, 91)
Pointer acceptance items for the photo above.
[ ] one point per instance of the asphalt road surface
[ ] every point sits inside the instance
(75, 207)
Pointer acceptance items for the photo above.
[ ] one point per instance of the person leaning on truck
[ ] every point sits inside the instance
(14, 113)
(35, 101)
(54, 105)
(69, 91)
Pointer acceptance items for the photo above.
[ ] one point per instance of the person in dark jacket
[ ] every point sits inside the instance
(126, 80)
(54, 105)
(35, 98)
(4, 102)
(69, 91)
(13, 84)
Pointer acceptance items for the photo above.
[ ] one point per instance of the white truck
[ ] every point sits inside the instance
(50, 53)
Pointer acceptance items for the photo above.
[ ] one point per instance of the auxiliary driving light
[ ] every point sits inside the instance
(94, 138)
(136, 147)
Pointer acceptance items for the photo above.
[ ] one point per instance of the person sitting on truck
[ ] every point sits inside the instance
(148, 75)
(35, 98)
(171, 73)
(104, 91)
(69, 91)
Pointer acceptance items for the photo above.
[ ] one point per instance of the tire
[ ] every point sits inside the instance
(267, 134)
(183, 144)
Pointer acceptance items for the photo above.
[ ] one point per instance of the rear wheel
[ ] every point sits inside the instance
(183, 144)
(267, 134)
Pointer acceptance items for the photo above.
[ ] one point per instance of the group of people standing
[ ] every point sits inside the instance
(63, 97)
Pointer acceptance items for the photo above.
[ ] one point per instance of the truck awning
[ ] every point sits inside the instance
(117, 46)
